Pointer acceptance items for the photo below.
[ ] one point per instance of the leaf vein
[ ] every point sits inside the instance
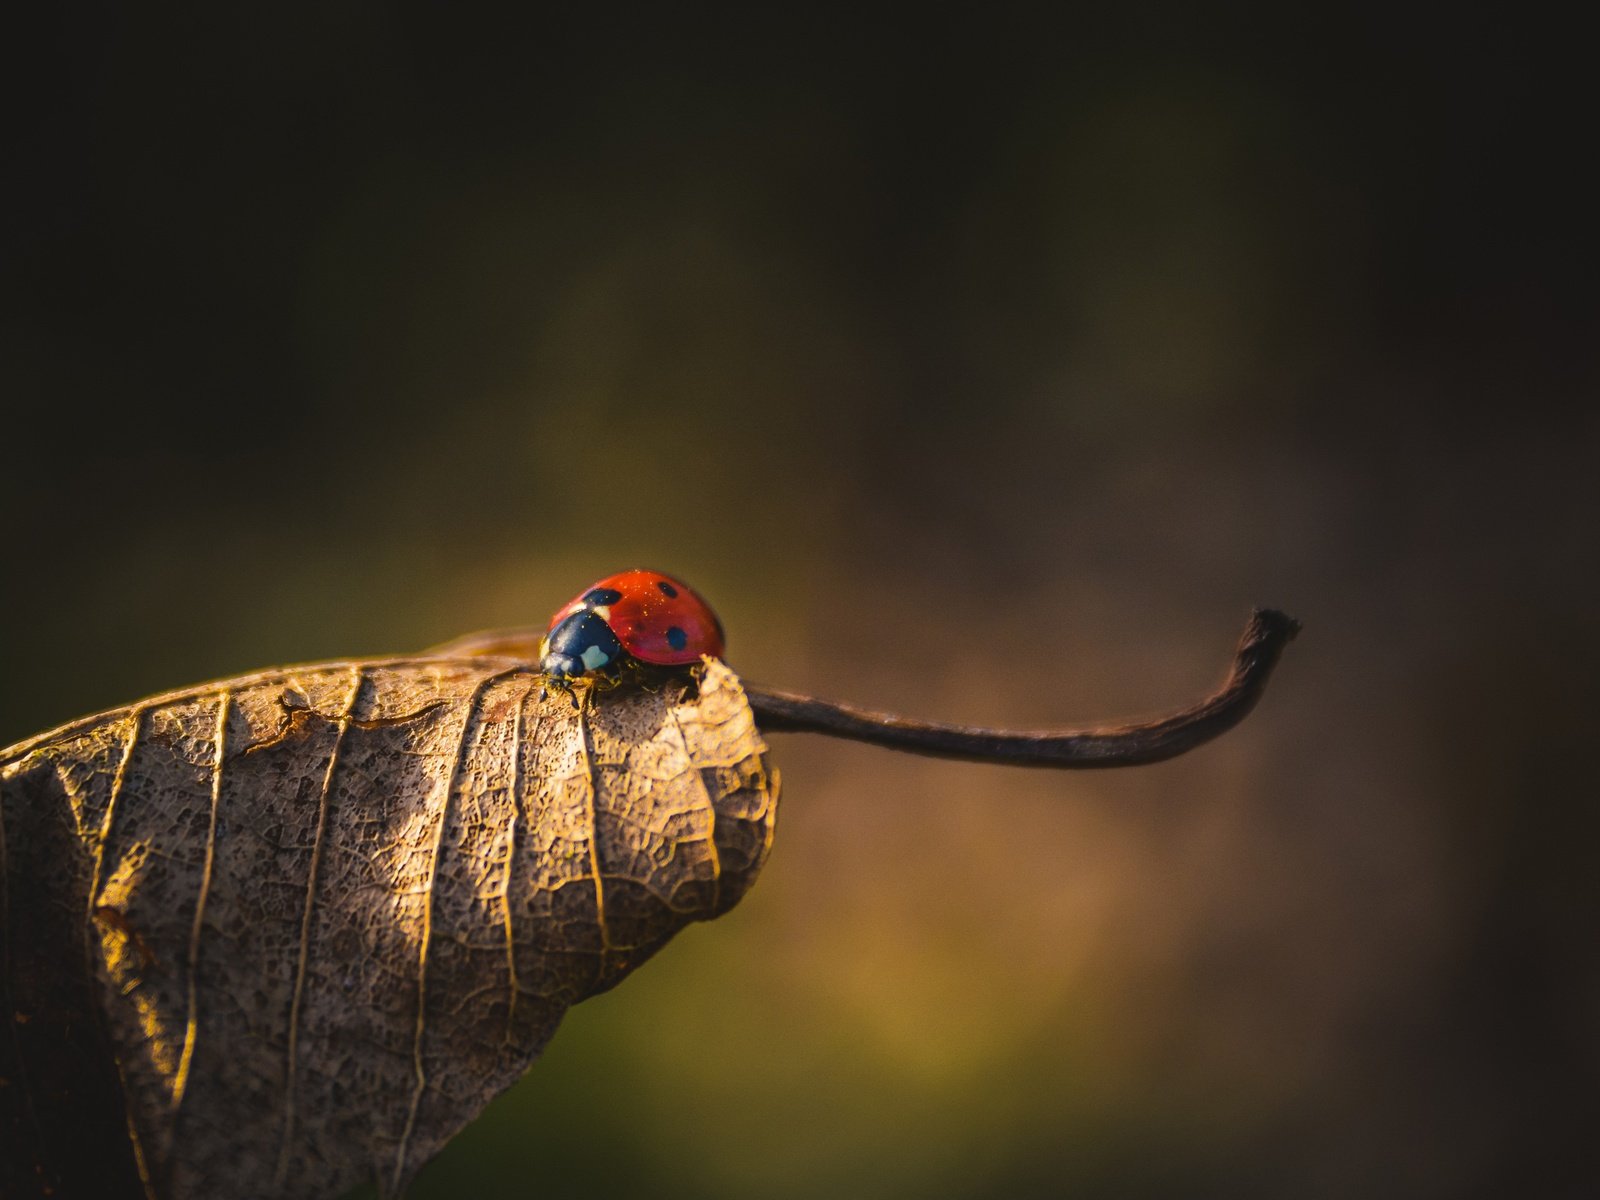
(474, 705)
(180, 1085)
(357, 679)
(592, 800)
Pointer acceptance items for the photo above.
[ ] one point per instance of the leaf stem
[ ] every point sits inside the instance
(1265, 637)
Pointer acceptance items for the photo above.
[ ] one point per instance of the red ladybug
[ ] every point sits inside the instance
(649, 616)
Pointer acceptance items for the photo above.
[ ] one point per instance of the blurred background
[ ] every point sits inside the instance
(980, 367)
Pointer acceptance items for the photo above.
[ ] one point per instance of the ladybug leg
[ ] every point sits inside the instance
(562, 684)
(627, 671)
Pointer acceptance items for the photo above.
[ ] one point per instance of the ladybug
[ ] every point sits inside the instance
(641, 616)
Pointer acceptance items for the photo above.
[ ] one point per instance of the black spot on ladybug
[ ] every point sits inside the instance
(600, 597)
(671, 592)
(677, 638)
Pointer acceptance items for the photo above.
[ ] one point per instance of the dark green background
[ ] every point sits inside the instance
(984, 366)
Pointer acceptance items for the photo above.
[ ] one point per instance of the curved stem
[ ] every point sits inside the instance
(1268, 632)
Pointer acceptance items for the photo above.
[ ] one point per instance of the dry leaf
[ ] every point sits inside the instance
(292, 931)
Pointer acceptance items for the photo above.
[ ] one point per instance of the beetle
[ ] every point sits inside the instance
(633, 616)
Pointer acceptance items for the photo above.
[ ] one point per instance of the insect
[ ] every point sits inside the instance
(634, 616)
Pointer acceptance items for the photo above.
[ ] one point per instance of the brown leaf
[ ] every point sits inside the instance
(292, 931)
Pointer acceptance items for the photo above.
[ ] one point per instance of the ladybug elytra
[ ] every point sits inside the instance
(645, 615)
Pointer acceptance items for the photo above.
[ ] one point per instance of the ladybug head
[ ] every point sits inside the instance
(578, 644)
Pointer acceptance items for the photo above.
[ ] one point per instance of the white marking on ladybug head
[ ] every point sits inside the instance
(603, 612)
(594, 658)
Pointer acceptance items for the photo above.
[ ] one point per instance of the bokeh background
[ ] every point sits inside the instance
(981, 366)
